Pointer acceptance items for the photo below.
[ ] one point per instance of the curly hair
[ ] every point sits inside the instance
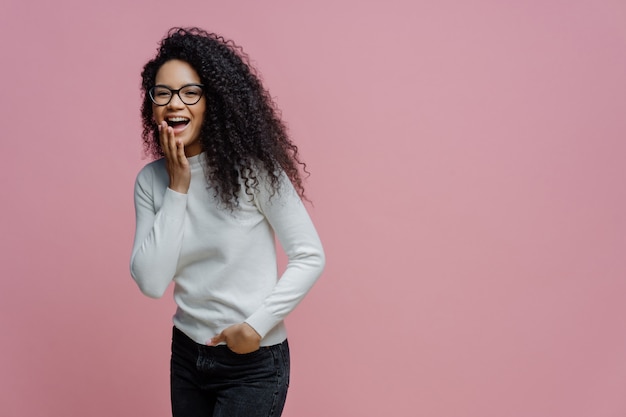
(242, 131)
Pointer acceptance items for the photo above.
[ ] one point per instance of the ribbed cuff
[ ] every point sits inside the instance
(174, 204)
(262, 321)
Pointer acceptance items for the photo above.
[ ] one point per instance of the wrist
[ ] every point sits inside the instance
(179, 188)
(251, 332)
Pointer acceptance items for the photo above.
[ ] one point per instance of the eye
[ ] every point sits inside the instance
(192, 92)
(162, 93)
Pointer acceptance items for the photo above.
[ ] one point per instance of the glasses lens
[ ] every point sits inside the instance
(190, 94)
(160, 95)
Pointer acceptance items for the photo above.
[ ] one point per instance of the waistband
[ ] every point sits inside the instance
(180, 338)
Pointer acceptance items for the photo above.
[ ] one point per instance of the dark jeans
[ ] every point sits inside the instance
(217, 382)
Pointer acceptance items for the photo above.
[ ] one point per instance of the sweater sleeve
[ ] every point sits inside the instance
(158, 235)
(297, 235)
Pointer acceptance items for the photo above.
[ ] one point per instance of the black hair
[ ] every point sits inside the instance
(242, 134)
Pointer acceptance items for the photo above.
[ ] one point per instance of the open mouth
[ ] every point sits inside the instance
(177, 122)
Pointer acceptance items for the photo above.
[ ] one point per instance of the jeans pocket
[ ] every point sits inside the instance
(284, 352)
(247, 357)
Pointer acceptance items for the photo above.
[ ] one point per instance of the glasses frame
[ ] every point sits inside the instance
(177, 92)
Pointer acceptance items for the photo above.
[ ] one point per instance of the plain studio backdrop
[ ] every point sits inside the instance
(468, 182)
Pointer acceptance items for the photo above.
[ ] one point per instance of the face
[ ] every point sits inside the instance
(186, 120)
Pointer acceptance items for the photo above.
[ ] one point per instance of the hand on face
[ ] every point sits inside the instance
(185, 119)
(179, 124)
(175, 160)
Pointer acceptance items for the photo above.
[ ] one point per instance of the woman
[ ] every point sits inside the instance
(226, 180)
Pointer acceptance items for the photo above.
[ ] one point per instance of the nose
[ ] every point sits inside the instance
(176, 102)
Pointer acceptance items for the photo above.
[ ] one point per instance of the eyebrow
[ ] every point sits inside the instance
(182, 86)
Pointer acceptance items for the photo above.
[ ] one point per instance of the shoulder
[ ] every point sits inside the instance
(151, 169)
(278, 193)
(151, 177)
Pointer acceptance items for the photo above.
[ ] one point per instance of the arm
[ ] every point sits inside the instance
(298, 237)
(159, 235)
(158, 238)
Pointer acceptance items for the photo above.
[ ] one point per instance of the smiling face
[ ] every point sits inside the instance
(186, 120)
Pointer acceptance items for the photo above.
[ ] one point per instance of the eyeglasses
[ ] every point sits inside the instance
(189, 94)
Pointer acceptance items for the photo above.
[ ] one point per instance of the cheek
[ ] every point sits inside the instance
(156, 114)
(200, 118)
(200, 113)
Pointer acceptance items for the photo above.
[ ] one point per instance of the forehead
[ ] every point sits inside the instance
(176, 73)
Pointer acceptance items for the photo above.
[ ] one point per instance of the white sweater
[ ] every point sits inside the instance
(223, 263)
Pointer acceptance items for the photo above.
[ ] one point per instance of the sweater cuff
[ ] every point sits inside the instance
(262, 321)
(174, 204)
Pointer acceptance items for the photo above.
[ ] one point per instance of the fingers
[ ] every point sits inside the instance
(216, 340)
(163, 137)
(240, 338)
(180, 152)
(177, 164)
(168, 141)
(173, 148)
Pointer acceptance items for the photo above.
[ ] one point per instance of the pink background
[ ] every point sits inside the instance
(468, 163)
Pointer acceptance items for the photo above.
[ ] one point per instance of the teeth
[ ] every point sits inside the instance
(177, 119)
